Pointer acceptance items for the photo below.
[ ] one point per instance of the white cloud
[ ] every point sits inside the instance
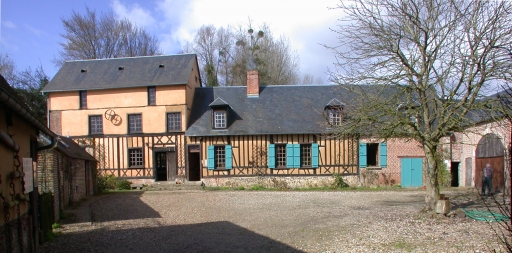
(8, 24)
(135, 13)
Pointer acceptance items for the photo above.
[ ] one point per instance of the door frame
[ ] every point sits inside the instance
(168, 151)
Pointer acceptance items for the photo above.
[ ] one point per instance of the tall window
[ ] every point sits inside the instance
(152, 95)
(96, 124)
(136, 158)
(305, 155)
(334, 116)
(220, 156)
(135, 123)
(83, 99)
(173, 121)
(281, 156)
(219, 119)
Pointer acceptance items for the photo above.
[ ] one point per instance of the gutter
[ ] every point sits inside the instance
(25, 113)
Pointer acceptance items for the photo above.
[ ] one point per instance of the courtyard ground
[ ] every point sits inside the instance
(271, 221)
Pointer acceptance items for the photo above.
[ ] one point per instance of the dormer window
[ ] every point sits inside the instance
(334, 112)
(219, 114)
(334, 115)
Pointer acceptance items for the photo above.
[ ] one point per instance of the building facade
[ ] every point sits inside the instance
(130, 113)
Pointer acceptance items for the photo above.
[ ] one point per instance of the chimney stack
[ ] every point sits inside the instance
(253, 83)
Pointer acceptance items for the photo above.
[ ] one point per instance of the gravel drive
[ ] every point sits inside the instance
(273, 221)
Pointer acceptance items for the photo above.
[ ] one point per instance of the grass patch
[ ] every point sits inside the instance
(56, 225)
(405, 246)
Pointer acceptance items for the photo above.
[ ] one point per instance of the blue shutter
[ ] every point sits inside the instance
(383, 150)
(314, 155)
(362, 155)
(211, 157)
(229, 157)
(289, 155)
(296, 155)
(271, 156)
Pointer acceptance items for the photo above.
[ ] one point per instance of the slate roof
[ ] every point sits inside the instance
(72, 149)
(297, 109)
(123, 73)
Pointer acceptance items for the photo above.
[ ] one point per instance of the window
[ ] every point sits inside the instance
(334, 114)
(96, 124)
(293, 156)
(135, 123)
(83, 99)
(281, 156)
(173, 121)
(136, 158)
(372, 155)
(219, 119)
(220, 157)
(305, 155)
(152, 95)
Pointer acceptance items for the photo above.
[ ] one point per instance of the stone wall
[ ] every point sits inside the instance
(278, 181)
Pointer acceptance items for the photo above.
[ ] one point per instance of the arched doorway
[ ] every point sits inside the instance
(490, 150)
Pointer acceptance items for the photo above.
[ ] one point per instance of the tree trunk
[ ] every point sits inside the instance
(431, 181)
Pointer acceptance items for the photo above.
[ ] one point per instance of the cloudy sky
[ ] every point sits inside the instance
(30, 29)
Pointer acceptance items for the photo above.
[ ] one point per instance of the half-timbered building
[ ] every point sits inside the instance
(131, 113)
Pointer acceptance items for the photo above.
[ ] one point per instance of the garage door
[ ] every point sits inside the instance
(412, 172)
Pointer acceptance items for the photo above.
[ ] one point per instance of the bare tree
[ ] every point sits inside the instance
(92, 36)
(420, 67)
(225, 55)
(7, 67)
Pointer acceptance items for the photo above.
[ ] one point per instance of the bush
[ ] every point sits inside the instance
(444, 176)
(338, 183)
(123, 185)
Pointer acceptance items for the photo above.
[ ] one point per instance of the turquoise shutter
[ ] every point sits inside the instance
(229, 157)
(289, 155)
(314, 155)
(296, 155)
(362, 155)
(271, 156)
(383, 150)
(211, 157)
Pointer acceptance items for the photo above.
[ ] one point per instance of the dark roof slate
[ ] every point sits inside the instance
(123, 73)
(72, 149)
(280, 109)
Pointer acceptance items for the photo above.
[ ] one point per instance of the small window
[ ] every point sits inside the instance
(135, 123)
(152, 95)
(335, 114)
(220, 156)
(281, 156)
(219, 119)
(96, 124)
(83, 99)
(305, 155)
(136, 157)
(173, 121)
(373, 155)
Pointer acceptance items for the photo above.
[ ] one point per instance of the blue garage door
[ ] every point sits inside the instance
(412, 169)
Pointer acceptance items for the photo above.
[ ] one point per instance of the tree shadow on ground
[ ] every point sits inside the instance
(221, 236)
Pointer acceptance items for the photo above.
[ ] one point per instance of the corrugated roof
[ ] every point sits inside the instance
(278, 110)
(123, 73)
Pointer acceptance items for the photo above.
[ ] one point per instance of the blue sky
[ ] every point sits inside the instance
(30, 29)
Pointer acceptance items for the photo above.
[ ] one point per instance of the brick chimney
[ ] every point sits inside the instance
(253, 83)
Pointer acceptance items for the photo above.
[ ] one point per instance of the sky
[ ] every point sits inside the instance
(30, 30)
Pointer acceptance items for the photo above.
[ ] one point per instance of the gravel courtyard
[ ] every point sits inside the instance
(273, 221)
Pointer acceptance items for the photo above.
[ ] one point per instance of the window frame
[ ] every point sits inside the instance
(82, 99)
(376, 151)
(335, 115)
(174, 129)
(219, 156)
(100, 117)
(280, 160)
(151, 95)
(130, 129)
(133, 161)
(306, 155)
(225, 119)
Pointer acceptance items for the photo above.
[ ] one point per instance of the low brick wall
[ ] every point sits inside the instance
(278, 182)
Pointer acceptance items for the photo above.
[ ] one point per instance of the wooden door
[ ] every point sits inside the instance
(497, 164)
(412, 172)
(171, 166)
(160, 166)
